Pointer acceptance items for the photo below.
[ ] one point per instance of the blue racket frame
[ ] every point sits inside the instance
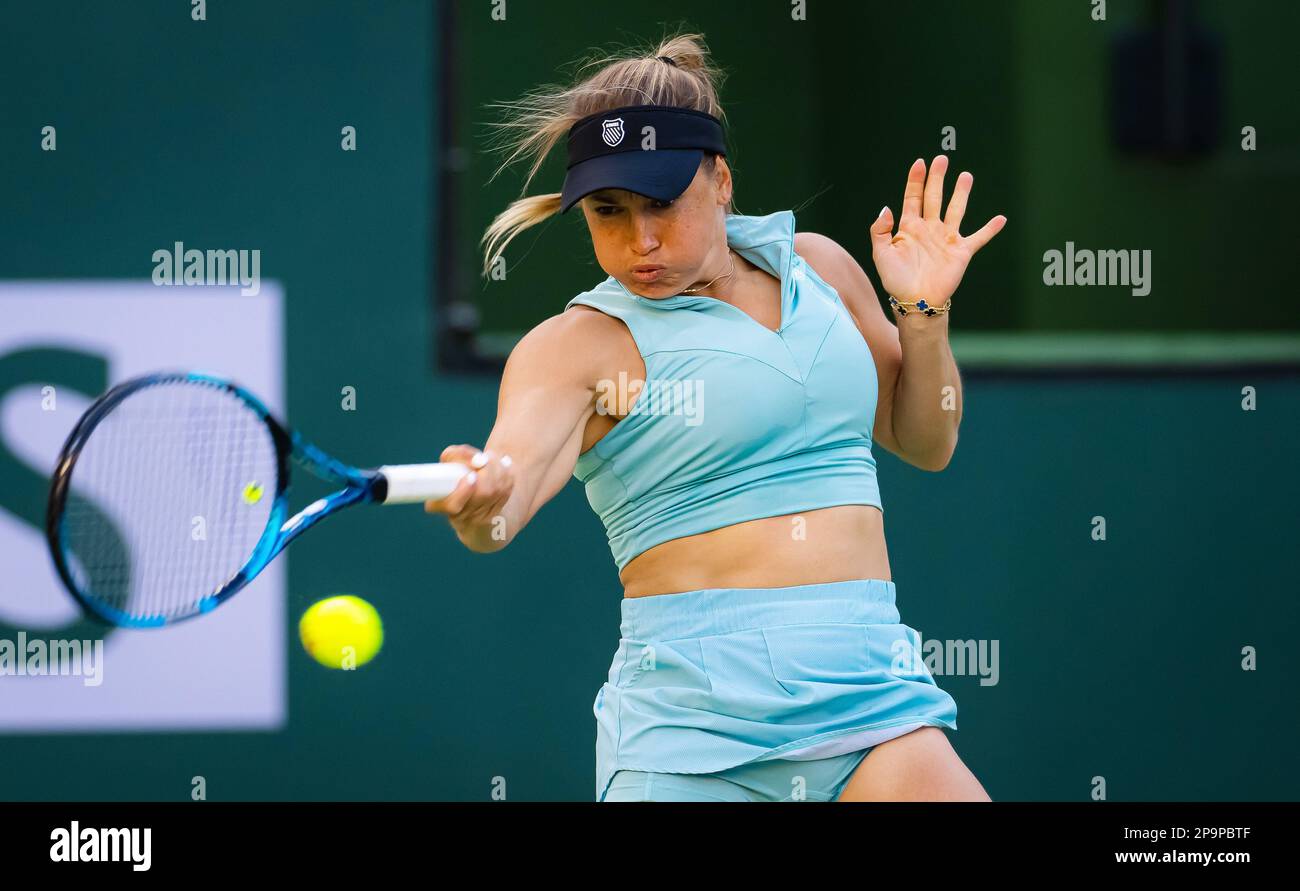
(358, 486)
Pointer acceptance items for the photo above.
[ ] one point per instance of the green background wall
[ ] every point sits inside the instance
(827, 114)
(1118, 658)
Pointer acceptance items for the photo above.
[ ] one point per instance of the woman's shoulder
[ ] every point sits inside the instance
(580, 335)
(824, 254)
(609, 297)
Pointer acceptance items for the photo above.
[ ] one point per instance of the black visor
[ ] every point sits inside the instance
(613, 150)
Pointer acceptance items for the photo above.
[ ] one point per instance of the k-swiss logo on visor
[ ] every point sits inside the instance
(612, 132)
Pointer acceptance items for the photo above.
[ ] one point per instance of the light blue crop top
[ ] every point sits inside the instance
(735, 421)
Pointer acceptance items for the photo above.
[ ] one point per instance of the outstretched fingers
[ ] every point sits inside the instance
(934, 187)
(881, 229)
(978, 239)
(914, 190)
(957, 206)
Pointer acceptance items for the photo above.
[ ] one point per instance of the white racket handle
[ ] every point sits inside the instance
(409, 483)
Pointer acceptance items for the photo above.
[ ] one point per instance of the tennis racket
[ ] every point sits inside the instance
(171, 494)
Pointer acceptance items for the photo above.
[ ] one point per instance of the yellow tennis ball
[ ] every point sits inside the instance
(253, 493)
(341, 632)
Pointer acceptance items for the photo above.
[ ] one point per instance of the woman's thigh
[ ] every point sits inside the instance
(777, 780)
(917, 766)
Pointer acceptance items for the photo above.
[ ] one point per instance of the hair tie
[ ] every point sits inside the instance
(668, 60)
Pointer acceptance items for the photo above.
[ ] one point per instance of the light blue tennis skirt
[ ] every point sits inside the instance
(708, 680)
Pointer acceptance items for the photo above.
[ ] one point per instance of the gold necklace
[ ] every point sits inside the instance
(730, 272)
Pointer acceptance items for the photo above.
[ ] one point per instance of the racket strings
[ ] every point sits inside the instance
(168, 499)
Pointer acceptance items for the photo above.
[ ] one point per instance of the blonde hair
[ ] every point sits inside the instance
(540, 120)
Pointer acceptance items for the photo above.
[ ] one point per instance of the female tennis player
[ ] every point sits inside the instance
(761, 653)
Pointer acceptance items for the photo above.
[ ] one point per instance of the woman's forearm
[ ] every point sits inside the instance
(927, 393)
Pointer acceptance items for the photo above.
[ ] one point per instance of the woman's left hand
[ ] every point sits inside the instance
(928, 256)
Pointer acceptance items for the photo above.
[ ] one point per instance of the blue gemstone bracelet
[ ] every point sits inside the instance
(920, 306)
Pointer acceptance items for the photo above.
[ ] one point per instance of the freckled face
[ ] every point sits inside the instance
(632, 233)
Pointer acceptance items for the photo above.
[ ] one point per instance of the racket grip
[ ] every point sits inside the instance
(409, 483)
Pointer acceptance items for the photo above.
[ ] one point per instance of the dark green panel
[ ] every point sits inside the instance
(1215, 224)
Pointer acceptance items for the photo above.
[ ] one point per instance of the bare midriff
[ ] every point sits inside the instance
(830, 544)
